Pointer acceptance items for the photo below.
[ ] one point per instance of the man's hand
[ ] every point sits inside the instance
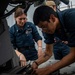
(41, 71)
(34, 65)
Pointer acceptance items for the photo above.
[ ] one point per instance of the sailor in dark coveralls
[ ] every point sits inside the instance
(23, 36)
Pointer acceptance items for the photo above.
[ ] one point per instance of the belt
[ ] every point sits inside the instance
(57, 40)
(26, 47)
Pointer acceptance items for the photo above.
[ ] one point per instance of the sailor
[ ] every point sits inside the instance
(23, 36)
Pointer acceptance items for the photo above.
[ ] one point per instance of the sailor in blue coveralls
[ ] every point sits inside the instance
(60, 24)
(23, 36)
(60, 48)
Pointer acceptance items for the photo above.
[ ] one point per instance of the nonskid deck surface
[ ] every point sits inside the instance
(68, 70)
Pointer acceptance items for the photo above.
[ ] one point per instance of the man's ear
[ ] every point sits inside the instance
(52, 17)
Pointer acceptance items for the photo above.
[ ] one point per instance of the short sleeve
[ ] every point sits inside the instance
(49, 38)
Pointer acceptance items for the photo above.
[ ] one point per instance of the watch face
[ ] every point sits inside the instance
(2, 29)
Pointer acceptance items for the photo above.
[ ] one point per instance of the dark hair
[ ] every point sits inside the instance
(19, 11)
(42, 13)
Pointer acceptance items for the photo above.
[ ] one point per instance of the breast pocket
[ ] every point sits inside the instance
(28, 31)
(29, 34)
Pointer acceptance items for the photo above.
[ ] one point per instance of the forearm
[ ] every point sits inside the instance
(47, 54)
(43, 58)
(68, 59)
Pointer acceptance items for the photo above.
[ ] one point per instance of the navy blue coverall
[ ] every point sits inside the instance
(66, 32)
(24, 40)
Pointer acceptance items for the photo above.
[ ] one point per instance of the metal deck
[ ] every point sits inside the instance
(68, 70)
